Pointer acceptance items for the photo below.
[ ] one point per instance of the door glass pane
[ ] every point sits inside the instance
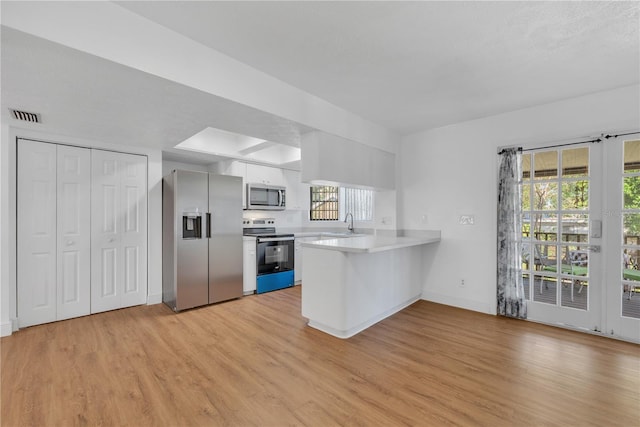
(574, 293)
(546, 165)
(575, 228)
(543, 289)
(631, 228)
(631, 300)
(526, 197)
(545, 257)
(526, 167)
(575, 162)
(545, 196)
(575, 277)
(575, 195)
(630, 258)
(545, 226)
(526, 226)
(631, 192)
(632, 156)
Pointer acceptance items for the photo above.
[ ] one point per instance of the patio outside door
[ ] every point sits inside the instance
(581, 236)
(622, 233)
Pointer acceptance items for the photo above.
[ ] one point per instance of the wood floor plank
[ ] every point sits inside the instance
(254, 362)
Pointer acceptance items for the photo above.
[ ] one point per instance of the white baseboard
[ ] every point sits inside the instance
(154, 299)
(464, 303)
(6, 329)
(361, 327)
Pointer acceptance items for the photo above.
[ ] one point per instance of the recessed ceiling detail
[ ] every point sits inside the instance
(227, 144)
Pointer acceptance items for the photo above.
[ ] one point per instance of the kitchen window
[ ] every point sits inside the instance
(324, 203)
(333, 203)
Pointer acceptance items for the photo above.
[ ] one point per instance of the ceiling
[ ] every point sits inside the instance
(411, 66)
(408, 66)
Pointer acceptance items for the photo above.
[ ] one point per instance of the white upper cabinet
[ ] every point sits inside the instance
(331, 159)
(234, 168)
(297, 191)
(265, 175)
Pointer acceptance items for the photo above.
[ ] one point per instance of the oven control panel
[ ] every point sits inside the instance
(258, 222)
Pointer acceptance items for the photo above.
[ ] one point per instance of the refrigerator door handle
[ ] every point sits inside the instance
(208, 225)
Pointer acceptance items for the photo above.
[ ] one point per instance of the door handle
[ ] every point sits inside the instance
(208, 225)
(593, 248)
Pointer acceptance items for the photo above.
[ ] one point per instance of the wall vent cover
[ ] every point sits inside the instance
(25, 116)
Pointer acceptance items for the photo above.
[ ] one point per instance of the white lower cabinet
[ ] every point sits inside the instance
(249, 266)
(57, 276)
(298, 255)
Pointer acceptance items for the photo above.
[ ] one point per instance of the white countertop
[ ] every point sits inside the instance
(369, 244)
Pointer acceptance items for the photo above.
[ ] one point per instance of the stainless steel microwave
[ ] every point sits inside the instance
(266, 197)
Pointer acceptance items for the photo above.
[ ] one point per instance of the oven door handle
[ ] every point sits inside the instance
(274, 239)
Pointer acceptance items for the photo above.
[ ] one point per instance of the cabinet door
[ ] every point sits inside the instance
(249, 266)
(237, 168)
(36, 231)
(73, 232)
(119, 230)
(292, 179)
(265, 175)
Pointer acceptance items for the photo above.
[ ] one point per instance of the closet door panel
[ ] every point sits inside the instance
(36, 231)
(134, 230)
(106, 225)
(74, 232)
(119, 233)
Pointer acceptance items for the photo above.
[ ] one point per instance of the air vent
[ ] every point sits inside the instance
(25, 116)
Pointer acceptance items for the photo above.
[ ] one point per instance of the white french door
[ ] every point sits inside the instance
(561, 191)
(581, 236)
(622, 238)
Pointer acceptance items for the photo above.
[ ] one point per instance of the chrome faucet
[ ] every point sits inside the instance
(350, 226)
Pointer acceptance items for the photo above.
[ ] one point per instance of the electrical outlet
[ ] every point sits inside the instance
(467, 219)
(462, 283)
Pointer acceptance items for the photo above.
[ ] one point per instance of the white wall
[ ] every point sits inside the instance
(8, 209)
(451, 171)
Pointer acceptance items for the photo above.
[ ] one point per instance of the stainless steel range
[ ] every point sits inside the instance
(274, 254)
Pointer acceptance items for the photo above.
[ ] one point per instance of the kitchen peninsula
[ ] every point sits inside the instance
(349, 284)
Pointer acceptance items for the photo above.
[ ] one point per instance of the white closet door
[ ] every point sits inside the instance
(134, 229)
(36, 223)
(118, 230)
(74, 233)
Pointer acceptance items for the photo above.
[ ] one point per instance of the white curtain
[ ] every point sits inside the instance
(510, 290)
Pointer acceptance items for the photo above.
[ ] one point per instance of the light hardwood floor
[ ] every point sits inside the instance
(253, 361)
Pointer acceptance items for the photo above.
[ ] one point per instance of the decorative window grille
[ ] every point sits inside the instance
(324, 203)
(333, 203)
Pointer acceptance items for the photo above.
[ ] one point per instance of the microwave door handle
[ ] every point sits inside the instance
(280, 197)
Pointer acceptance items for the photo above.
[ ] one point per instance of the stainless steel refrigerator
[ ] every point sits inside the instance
(202, 239)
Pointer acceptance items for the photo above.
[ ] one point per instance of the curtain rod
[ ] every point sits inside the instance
(573, 143)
